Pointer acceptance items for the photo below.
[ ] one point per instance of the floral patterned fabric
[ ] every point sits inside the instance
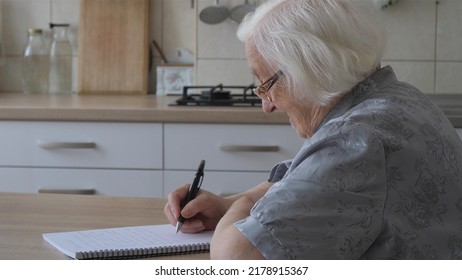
(380, 179)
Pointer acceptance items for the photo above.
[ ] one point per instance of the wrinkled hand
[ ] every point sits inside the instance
(202, 213)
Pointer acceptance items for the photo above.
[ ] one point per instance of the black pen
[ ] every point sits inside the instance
(192, 192)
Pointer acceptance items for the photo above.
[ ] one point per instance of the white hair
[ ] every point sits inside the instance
(323, 47)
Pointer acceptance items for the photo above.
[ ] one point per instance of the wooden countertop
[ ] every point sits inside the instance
(152, 108)
(25, 217)
(125, 108)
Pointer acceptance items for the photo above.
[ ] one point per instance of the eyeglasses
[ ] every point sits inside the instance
(262, 90)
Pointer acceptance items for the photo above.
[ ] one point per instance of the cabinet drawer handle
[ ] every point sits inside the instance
(67, 191)
(248, 148)
(66, 145)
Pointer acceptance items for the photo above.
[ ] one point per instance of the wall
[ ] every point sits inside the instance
(424, 39)
(424, 42)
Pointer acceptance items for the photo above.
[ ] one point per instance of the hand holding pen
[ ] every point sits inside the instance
(192, 192)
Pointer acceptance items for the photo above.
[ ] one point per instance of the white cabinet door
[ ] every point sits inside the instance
(228, 147)
(141, 183)
(81, 144)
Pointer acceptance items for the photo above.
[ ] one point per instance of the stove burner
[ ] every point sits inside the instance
(218, 96)
(208, 94)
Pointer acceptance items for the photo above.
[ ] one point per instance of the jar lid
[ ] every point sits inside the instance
(34, 30)
(59, 25)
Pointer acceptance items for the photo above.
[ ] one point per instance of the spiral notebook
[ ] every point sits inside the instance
(128, 242)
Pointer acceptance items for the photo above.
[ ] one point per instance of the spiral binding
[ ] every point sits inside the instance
(134, 253)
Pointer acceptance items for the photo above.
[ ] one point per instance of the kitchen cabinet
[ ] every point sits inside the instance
(148, 159)
(116, 145)
(81, 157)
(237, 156)
(138, 159)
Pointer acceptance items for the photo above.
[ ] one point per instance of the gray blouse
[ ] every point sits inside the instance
(380, 179)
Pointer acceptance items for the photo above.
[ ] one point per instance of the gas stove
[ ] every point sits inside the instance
(218, 95)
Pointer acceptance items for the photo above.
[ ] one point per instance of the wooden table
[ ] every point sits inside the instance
(24, 217)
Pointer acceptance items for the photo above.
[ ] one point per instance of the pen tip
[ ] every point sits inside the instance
(178, 226)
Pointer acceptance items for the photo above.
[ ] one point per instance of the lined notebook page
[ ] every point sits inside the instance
(124, 238)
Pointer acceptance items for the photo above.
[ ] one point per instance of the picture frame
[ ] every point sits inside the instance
(172, 78)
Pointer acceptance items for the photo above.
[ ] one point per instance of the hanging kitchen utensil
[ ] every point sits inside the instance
(214, 14)
(238, 13)
(159, 50)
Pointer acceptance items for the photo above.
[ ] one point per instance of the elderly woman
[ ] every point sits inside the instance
(379, 175)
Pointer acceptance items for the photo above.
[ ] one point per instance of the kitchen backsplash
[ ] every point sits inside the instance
(424, 40)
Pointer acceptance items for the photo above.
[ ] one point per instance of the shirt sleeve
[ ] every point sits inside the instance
(330, 203)
(279, 171)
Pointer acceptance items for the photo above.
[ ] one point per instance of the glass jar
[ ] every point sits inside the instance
(35, 64)
(60, 60)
